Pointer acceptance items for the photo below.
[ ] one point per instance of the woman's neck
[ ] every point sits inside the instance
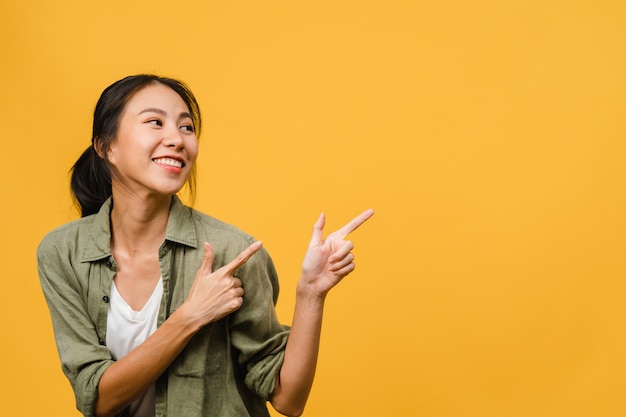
(138, 225)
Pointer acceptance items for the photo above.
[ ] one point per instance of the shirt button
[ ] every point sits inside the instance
(105, 298)
(101, 341)
(108, 263)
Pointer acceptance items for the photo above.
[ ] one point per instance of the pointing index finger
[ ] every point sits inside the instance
(353, 224)
(243, 257)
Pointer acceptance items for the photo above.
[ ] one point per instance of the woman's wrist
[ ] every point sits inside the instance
(309, 293)
(185, 322)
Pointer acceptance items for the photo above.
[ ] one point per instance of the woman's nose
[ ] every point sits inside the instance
(173, 138)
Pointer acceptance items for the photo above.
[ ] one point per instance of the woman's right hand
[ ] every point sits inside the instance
(216, 294)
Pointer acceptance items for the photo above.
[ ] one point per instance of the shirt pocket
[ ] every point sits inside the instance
(205, 353)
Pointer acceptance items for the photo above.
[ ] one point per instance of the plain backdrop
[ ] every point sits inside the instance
(488, 135)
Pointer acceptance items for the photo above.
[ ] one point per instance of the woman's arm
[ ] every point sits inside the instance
(133, 374)
(213, 295)
(325, 264)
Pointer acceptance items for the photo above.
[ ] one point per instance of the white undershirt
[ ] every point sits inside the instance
(127, 329)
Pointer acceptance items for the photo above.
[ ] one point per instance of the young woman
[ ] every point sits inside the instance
(159, 310)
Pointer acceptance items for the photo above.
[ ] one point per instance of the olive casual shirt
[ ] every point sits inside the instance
(227, 369)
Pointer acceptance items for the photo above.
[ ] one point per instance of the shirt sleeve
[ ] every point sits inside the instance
(83, 358)
(255, 330)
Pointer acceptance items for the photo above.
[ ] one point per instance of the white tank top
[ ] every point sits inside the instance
(127, 329)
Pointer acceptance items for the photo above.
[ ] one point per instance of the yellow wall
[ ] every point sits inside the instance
(488, 135)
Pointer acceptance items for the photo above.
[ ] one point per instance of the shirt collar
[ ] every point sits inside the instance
(179, 230)
(180, 227)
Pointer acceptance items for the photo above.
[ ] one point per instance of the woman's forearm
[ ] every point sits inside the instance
(295, 380)
(132, 375)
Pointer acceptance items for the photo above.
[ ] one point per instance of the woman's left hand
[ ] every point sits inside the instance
(328, 261)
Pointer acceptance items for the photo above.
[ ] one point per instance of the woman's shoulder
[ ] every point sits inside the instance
(185, 222)
(216, 226)
(66, 236)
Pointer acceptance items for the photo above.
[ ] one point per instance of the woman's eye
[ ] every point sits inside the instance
(155, 122)
(188, 128)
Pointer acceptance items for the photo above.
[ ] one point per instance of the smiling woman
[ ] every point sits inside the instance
(147, 295)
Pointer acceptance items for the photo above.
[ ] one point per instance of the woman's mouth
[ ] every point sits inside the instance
(169, 162)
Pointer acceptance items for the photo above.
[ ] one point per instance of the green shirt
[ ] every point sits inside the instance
(227, 369)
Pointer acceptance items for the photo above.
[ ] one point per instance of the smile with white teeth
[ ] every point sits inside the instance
(169, 161)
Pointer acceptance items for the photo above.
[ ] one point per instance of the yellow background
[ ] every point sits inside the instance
(488, 135)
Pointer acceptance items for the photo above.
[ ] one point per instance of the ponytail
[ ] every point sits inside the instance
(90, 182)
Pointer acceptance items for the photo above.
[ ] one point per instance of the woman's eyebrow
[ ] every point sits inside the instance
(153, 110)
(183, 115)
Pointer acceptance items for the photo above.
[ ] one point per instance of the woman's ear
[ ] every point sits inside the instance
(99, 147)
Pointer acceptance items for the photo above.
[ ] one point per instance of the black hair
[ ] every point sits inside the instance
(91, 175)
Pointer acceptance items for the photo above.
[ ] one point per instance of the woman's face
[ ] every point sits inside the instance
(156, 146)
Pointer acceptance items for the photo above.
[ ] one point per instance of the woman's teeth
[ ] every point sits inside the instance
(169, 161)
